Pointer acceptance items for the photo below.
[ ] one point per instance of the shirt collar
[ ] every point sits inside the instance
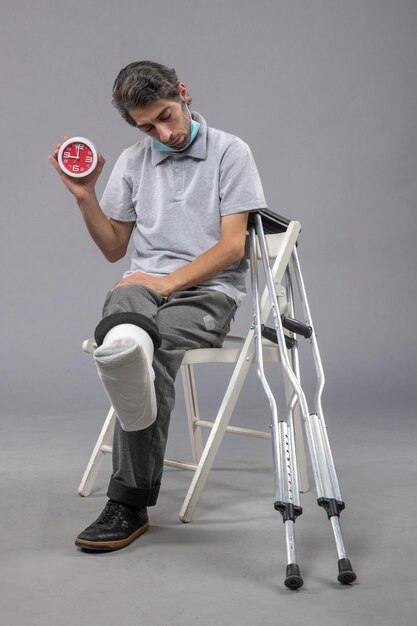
(197, 150)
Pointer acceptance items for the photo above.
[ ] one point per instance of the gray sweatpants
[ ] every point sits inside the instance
(194, 318)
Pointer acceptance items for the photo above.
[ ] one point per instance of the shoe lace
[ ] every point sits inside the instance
(109, 511)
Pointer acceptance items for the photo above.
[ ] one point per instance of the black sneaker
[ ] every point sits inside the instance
(116, 527)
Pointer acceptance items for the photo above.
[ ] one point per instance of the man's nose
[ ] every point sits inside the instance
(164, 133)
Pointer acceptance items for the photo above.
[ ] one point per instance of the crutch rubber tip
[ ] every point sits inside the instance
(293, 579)
(346, 573)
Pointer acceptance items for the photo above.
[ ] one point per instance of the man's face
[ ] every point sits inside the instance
(168, 121)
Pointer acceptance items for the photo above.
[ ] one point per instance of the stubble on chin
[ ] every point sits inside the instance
(187, 129)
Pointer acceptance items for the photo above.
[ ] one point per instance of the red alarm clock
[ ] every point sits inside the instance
(77, 157)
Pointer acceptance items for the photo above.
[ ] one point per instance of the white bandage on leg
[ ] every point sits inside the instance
(124, 364)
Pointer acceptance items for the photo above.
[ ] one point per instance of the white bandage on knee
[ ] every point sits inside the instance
(124, 364)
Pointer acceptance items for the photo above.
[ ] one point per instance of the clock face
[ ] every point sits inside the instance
(77, 157)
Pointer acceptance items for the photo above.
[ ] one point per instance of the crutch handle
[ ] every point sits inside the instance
(296, 327)
(271, 335)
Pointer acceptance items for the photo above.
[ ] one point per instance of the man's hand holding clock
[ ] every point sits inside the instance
(78, 165)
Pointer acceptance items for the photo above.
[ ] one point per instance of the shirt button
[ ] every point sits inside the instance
(177, 169)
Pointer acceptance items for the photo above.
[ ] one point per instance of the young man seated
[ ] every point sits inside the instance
(184, 191)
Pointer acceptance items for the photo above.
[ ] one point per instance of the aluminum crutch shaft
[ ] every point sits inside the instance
(283, 449)
(327, 484)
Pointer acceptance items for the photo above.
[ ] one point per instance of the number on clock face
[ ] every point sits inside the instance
(77, 157)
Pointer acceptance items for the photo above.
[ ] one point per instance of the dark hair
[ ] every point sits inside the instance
(142, 82)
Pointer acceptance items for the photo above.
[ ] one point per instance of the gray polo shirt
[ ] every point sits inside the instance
(177, 201)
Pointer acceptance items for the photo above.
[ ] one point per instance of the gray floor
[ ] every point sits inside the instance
(227, 566)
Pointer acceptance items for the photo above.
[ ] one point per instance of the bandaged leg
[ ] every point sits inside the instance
(124, 363)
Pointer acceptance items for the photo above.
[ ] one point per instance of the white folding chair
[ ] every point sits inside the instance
(241, 354)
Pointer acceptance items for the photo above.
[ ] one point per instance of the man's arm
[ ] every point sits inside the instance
(111, 236)
(229, 250)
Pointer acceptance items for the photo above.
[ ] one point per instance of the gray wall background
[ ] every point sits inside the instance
(324, 92)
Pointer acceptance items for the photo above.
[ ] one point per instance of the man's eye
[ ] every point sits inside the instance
(166, 117)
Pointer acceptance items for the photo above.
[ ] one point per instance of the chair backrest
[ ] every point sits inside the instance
(279, 247)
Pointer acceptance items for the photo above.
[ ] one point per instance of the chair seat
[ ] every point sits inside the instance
(227, 355)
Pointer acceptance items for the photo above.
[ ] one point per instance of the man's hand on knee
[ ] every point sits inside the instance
(160, 284)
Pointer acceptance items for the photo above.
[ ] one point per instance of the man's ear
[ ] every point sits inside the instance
(183, 92)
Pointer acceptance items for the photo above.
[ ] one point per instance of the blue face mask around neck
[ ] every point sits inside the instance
(193, 134)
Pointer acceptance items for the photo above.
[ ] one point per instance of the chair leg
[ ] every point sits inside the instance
(191, 407)
(102, 446)
(217, 432)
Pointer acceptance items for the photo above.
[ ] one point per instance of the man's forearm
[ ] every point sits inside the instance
(111, 241)
(100, 227)
(210, 263)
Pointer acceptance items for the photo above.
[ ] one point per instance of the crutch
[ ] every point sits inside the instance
(284, 456)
